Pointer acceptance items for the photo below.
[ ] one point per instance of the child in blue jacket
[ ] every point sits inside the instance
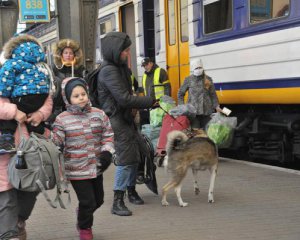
(25, 80)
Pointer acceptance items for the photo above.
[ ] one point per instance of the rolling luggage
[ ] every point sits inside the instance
(169, 124)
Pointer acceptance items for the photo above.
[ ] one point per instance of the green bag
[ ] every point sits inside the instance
(220, 129)
(157, 115)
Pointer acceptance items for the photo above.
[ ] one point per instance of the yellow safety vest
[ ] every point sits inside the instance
(158, 88)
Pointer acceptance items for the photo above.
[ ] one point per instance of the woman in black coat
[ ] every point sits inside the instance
(116, 98)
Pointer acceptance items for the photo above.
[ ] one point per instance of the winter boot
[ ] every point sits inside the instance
(119, 207)
(133, 196)
(22, 231)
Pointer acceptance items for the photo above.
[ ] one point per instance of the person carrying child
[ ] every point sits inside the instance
(86, 137)
(18, 72)
(26, 83)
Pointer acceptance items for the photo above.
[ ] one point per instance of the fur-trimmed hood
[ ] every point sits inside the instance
(13, 48)
(61, 45)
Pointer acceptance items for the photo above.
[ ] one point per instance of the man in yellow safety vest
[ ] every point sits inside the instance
(155, 80)
(155, 84)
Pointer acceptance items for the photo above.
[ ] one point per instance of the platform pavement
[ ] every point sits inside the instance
(251, 202)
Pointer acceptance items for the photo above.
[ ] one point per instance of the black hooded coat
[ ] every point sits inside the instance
(116, 100)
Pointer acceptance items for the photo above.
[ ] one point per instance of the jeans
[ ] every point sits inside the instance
(14, 205)
(8, 214)
(125, 176)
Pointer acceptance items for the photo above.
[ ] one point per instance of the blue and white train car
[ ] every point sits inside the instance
(250, 48)
(252, 53)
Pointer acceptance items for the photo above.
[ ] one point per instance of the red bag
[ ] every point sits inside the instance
(169, 124)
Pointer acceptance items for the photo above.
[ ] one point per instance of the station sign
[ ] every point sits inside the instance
(32, 11)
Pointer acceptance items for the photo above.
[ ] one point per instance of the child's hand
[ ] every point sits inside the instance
(20, 116)
(105, 160)
(35, 118)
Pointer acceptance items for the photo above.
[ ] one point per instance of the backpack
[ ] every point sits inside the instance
(45, 168)
(91, 79)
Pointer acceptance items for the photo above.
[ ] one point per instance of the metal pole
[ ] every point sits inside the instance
(8, 20)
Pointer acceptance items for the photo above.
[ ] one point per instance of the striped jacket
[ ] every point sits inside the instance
(83, 133)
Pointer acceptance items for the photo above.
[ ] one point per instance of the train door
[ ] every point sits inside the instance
(128, 25)
(177, 42)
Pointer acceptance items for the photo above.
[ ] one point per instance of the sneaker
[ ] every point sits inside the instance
(7, 143)
(86, 234)
(22, 230)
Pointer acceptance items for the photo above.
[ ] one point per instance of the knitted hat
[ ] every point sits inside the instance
(72, 84)
(196, 64)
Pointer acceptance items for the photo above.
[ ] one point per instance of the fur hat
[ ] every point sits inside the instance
(67, 43)
(196, 64)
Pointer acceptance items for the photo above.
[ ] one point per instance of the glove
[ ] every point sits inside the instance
(104, 161)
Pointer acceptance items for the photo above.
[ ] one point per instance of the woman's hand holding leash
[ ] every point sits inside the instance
(155, 104)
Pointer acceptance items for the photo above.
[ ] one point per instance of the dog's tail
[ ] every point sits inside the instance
(175, 138)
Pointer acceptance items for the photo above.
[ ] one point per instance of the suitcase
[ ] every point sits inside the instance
(169, 124)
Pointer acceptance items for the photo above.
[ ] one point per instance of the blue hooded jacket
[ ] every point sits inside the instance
(22, 73)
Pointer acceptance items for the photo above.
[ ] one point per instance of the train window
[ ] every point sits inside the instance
(107, 24)
(184, 20)
(264, 10)
(105, 27)
(172, 22)
(217, 15)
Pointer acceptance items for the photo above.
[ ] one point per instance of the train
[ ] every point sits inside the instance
(250, 48)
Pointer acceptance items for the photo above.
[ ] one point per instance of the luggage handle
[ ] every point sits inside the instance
(166, 112)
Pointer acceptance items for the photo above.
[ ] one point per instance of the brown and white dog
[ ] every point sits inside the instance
(197, 153)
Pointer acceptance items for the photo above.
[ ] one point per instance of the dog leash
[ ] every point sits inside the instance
(188, 130)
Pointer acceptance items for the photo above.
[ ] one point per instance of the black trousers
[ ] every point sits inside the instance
(90, 195)
(27, 104)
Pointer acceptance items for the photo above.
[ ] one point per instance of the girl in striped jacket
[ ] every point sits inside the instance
(86, 137)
